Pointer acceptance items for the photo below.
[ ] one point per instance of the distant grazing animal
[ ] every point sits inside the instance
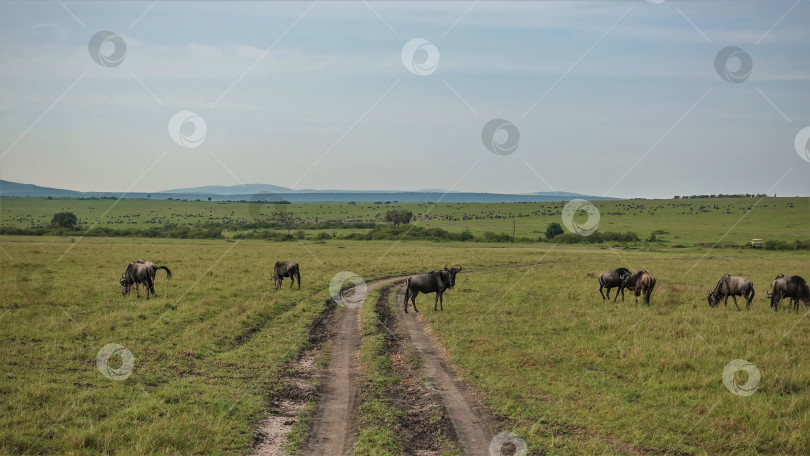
(794, 288)
(286, 269)
(733, 286)
(613, 278)
(640, 282)
(432, 282)
(141, 273)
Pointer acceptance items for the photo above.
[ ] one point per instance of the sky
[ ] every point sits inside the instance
(610, 98)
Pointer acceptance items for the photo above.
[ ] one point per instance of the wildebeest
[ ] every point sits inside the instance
(286, 269)
(770, 291)
(733, 286)
(640, 282)
(432, 282)
(793, 287)
(141, 273)
(153, 266)
(610, 279)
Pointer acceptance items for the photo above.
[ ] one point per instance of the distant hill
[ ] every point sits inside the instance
(8, 188)
(246, 189)
(252, 192)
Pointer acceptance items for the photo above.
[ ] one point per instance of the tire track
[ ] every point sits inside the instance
(472, 423)
(335, 422)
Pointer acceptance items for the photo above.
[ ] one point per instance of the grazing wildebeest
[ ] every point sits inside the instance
(154, 268)
(610, 279)
(733, 286)
(141, 273)
(286, 269)
(640, 282)
(793, 287)
(770, 291)
(432, 282)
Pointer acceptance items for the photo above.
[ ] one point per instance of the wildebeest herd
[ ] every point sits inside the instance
(641, 283)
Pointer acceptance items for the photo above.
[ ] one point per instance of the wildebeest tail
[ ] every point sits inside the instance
(168, 272)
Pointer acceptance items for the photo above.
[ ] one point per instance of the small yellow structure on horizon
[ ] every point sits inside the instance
(757, 243)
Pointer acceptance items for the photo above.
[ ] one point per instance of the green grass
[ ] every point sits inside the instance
(378, 417)
(209, 349)
(683, 222)
(572, 374)
(569, 373)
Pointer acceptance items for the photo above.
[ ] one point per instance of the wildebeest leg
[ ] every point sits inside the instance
(647, 294)
(441, 303)
(413, 301)
(603, 295)
(436, 302)
(617, 294)
(735, 302)
(292, 280)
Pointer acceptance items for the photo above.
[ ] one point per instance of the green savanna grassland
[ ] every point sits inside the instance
(525, 326)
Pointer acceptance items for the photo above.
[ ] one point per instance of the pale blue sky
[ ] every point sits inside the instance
(316, 95)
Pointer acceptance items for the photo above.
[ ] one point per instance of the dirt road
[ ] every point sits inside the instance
(472, 425)
(335, 422)
(334, 426)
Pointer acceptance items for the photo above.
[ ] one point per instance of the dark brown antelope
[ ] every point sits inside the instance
(640, 282)
(286, 269)
(611, 279)
(432, 282)
(141, 273)
(733, 286)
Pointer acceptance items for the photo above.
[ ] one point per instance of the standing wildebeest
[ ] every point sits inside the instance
(794, 288)
(640, 282)
(141, 273)
(432, 282)
(733, 286)
(610, 279)
(286, 269)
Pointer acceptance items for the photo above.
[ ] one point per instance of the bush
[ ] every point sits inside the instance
(65, 220)
(554, 229)
(798, 244)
